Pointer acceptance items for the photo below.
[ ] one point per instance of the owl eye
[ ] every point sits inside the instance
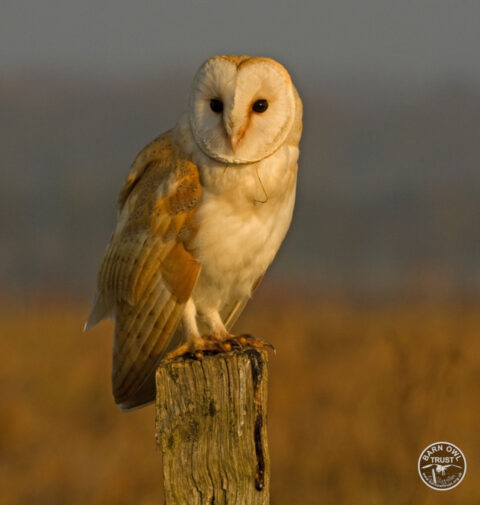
(216, 105)
(260, 105)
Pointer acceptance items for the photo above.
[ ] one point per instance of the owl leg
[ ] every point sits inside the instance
(217, 329)
(217, 338)
(194, 344)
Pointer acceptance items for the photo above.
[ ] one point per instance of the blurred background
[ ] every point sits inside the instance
(372, 302)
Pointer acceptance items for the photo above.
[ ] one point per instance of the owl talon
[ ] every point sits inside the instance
(212, 344)
(246, 340)
(184, 351)
(236, 343)
(208, 344)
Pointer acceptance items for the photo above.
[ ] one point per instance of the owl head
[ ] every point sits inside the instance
(241, 109)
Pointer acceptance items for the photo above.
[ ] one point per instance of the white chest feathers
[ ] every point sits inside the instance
(243, 218)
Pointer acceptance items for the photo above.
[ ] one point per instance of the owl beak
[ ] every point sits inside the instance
(236, 137)
(234, 142)
(232, 129)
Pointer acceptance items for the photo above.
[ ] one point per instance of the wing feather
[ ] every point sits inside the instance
(134, 380)
(148, 272)
(134, 321)
(134, 359)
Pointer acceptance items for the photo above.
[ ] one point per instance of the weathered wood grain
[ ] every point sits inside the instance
(211, 426)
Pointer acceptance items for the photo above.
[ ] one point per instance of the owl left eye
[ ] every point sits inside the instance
(216, 105)
(260, 105)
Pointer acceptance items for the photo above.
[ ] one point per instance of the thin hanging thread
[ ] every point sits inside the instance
(259, 180)
(263, 188)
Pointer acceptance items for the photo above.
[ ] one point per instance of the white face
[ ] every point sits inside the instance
(241, 109)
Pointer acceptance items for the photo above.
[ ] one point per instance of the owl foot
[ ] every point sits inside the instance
(187, 350)
(246, 340)
(196, 349)
(214, 344)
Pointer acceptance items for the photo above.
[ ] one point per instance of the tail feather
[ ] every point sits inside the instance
(146, 393)
(143, 396)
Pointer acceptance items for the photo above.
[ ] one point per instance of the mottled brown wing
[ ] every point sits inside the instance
(148, 272)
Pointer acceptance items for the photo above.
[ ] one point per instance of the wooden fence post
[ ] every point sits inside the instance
(211, 426)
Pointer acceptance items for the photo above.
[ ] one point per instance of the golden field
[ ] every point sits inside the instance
(356, 391)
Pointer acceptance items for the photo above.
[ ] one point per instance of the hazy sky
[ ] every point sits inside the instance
(397, 39)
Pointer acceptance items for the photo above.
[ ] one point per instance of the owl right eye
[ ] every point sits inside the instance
(216, 105)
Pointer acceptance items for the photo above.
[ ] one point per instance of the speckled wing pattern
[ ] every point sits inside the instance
(148, 273)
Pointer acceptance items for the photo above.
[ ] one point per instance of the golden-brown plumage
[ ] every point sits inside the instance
(148, 272)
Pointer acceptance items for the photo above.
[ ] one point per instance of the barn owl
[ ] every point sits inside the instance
(201, 216)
